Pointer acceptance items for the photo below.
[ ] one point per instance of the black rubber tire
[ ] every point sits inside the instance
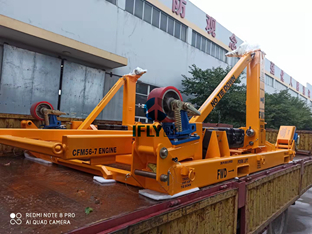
(279, 225)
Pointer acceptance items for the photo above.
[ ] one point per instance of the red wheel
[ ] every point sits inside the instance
(36, 110)
(158, 105)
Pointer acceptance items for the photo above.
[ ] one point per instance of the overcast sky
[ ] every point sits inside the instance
(283, 29)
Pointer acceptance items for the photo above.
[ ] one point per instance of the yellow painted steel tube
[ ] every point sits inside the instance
(44, 147)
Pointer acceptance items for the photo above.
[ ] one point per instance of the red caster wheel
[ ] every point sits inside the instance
(158, 102)
(36, 110)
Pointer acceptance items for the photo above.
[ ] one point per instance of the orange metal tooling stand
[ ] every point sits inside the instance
(155, 162)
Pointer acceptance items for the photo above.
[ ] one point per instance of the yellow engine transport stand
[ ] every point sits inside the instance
(173, 154)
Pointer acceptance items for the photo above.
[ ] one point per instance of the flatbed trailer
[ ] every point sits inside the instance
(245, 205)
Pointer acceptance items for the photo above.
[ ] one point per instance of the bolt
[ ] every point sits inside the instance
(58, 148)
(163, 152)
(250, 132)
(163, 178)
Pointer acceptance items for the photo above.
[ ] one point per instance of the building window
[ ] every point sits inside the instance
(198, 41)
(177, 29)
(163, 21)
(213, 50)
(138, 10)
(141, 88)
(279, 86)
(170, 25)
(203, 46)
(142, 92)
(183, 32)
(217, 52)
(148, 13)
(222, 54)
(232, 60)
(112, 1)
(292, 93)
(269, 80)
(130, 6)
(193, 38)
(156, 14)
(157, 18)
(209, 47)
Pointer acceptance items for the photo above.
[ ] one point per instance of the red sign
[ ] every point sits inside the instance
(272, 68)
(303, 90)
(178, 7)
(297, 87)
(211, 25)
(290, 82)
(282, 75)
(233, 42)
(309, 94)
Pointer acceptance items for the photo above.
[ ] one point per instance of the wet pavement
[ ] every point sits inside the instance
(38, 198)
(300, 215)
(30, 191)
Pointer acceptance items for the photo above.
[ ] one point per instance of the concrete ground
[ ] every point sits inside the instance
(300, 215)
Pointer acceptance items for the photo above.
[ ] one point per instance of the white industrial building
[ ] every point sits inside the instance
(70, 53)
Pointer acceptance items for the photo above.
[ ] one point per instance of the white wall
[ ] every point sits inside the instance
(198, 17)
(103, 25)
(108, 27)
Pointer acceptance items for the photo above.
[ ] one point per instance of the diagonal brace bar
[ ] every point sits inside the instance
(221, 89)
(106, 99)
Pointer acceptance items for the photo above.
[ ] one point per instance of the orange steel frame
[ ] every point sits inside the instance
(92, 151)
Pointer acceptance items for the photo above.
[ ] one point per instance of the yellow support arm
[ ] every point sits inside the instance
(222, 88)
(106, 99)
(45, 147)
(129, 92)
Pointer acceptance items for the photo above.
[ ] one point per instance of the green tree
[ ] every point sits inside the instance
(232, 107)
(280, 108)
(283, 109)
